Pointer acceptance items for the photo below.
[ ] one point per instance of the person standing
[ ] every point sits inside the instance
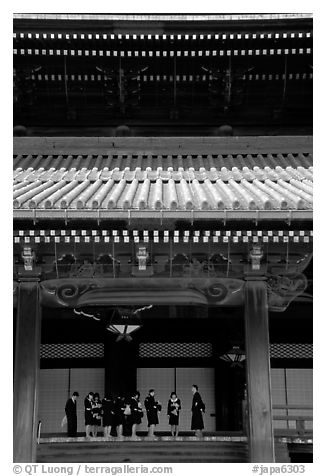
(119, 416)
(136, 414)
(97, 413)
(88, 403)
(152, 407)
(198, 408)
(174, 407)
(71, 414)
(108, 415)
(127, 417)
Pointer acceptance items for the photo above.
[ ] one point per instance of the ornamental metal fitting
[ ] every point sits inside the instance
(142, 257)
(28, 256)
(256, 254)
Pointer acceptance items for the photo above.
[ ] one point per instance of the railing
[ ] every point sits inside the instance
(300, 420)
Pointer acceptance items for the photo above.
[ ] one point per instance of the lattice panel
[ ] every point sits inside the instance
(72, 351)
(175, 350)
(191, 350)
(167, 350)
(291, 351)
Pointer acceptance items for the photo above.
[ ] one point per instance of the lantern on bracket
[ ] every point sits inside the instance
(235, 356)
(125, 321)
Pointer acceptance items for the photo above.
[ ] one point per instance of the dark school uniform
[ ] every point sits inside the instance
(88, 412)
(152, 409)
(174, 407)
(97, 413)
(108, 412)
(128, 420)
(119, 407)
(136, 411)
(198, 407)
(71, 414)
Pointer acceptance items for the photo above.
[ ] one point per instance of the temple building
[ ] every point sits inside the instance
(162, 196)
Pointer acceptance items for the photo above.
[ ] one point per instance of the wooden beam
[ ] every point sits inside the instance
(162, 17)
(166, 215)
(26, 374)
(261, 441)
(163, 145)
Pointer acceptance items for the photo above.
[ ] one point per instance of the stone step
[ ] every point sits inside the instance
(145, 452)
(152, 452)
(149, 444)
(143, 447)
(141, 459)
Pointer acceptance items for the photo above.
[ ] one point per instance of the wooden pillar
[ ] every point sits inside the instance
(261, 441)
(26, 373)
(222, 396)
(120, 367)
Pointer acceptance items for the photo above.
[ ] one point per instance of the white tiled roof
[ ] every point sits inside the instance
(176, 183)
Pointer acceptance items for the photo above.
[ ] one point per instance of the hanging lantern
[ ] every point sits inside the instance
(124, 322)
(123, 331)
(235, 356)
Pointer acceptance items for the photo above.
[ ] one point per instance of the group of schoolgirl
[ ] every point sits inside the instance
(125, 413)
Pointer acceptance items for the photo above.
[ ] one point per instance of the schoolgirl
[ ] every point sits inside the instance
(152, 407)
(174, 407)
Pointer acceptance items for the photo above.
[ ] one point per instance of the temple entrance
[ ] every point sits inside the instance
(179, 379)
(57, 384)
(77, 355)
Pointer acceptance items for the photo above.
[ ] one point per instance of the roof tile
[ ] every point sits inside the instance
(52, 199)
(142, 161)
(261, 182)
